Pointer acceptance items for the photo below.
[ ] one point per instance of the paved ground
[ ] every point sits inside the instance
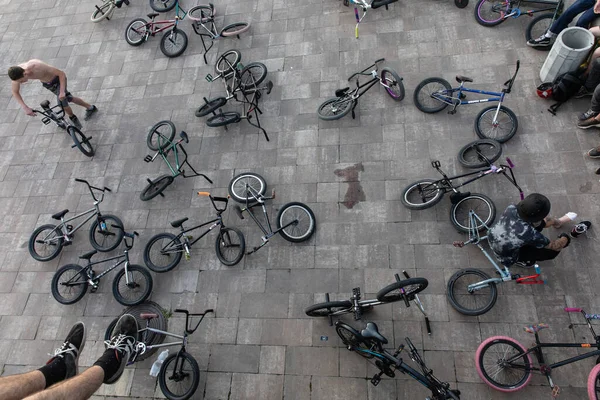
(260, 345)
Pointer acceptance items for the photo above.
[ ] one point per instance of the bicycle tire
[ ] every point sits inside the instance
(174, 43)
(227, 62)
(103, 11)
(539, 26)
(593, 383)
(458, 300)
(157, 140)
(99, 238)
(222, 119)
(303, 229)
(352, 339)
(394, 83)
(81, 141)
(486, 16)
(468, 156)
(229, 250)
(136, 32)
(338, 108)
(501, 136)
(482, 205)
(235, 29)
(76, 274)
(55, 248)
(156, 187)
(252, 75)
(179, 360)
(174, 252)
(211, 106)
(503, 348)
(237, 186)
(424, 91)
(411, 287)
(162, 5)
(432, 194)
(328, 308)
(461, 3)
(199, 13)
(130, 294)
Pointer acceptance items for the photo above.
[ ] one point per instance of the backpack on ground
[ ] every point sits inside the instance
(562, 89)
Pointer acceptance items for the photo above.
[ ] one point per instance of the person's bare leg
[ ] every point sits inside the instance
(16, 387)
(68, 111)
(81, 102)
(81, 386)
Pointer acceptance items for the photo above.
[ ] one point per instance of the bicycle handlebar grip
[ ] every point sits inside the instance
(223, 199)
(592, 316)
(80, 180)
(136, 234)
(380, 60)
(573, 309)
(207, 194)
(181, 310)
(107, 189)
(210, 310)
(118, 227)
(510, 163)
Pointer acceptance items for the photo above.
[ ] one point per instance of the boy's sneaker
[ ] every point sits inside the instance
(75, 122)
(542, 41)
(123, 341)
(593, 153)
(89, 112)
(580, 228)
(71, 348)
(588, 114)
(583, 92)
(589, 123)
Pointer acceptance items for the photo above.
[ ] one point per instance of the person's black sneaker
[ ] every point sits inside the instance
(71, 348)
(593, 153)
(589, 123)
(89, 112)
(75, 122)
(583, 92)
(580, 228)
(542, 41)
(123, 341)
(587, 115)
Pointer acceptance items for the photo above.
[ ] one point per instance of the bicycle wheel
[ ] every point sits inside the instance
(352, 339)
(179, 376)
(103, 11)
(422, 194)
(137, 290)
(199, 13)
(472, 303)
(593, 383)
(162, 5)
(503, 364)
(252, 75)
(328, 308)
(222, 119)
(393, 80)
(69, 284)
(81, 141)
(502, 130)
(335, 108)
(160, 135)
(211, 106)
(491, 12)
(397, 290)
(156, 187)
(471, 154)
(301, 230)
(45, 243)
(235, 29)
(227, 62)
(539, 26)
(103, 236)
(174, 43)
(230, 246)
(163, 252)
(429, 94)
(136, 32)
(482, 205)
(237, 186)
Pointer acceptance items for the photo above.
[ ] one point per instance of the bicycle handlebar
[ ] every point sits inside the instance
(188, 315)
(215, 198)
(127, 235)
(90, 187)
(510, 82)
(362, 72)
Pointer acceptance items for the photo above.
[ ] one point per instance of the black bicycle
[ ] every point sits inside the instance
(163, 252)
(369, 343)
(346, 99)
(131, 285)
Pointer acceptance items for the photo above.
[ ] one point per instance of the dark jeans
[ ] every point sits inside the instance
(580, 6)
(531, 254)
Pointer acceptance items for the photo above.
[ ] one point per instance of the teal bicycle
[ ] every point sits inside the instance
(160, 139)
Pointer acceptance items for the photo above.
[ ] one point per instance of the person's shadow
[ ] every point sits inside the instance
(354, 193)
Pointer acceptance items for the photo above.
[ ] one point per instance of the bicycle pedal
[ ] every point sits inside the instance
(148, 158)
(375, 380)
(46, 120)
(187, 257)
(69, 228)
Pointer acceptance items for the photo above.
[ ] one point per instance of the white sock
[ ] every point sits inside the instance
(550, 35)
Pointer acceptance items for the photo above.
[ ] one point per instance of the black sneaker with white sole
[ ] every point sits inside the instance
(587, 115)
(123, 340)
(71, 348)
(89, 112)
(542, 41)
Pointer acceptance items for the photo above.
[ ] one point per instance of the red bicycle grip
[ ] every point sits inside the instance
(572, 309)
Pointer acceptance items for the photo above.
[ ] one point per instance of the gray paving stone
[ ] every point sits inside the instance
(229, 358)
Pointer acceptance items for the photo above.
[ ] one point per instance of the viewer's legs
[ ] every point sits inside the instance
(16, 387)
(82, 386)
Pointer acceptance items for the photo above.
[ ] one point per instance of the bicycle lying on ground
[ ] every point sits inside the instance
(160, 139)
(365, 7)
(80, 141)
(131, 285)
(163, 251)
(499, 123)
(369, 343)
(179, 374)
(47, 241)
(405, 290)
(426, 193)
(107, 9)
(506, 365)
(346, 100)
(295, 221)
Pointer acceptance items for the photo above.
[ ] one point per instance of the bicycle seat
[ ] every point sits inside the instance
(89, 255)
(178, 223)
(535, 328)
(45, 104)
(148, 315)
(341, 92)
(460, 79)
(59, 215)
(152, 15)
(371, 332)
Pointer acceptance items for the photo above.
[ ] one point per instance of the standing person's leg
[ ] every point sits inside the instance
(591, 118)
(561, 23)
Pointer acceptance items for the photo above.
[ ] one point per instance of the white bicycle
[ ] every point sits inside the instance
(107, 9)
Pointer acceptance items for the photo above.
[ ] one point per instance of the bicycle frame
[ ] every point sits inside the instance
(172, 147)
(516, 12)
(215, 222)
(95, 211)
(170, 22)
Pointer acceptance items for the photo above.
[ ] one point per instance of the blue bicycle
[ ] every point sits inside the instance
(494, 122)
